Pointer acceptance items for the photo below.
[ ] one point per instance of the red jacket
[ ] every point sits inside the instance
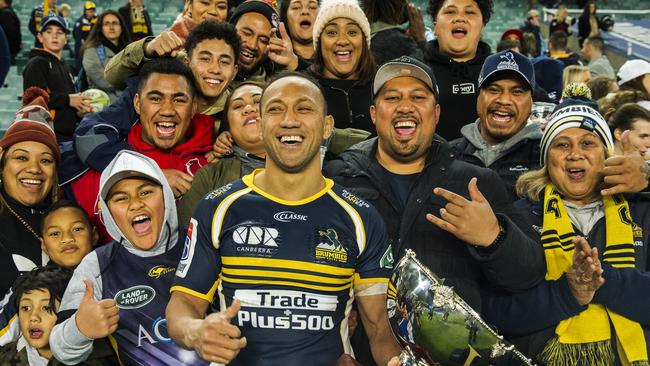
(187, 157)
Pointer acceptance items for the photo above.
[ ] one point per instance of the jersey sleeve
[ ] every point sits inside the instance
(376, 261)
(198, 270)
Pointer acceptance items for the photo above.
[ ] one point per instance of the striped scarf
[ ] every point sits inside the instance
(585, 339)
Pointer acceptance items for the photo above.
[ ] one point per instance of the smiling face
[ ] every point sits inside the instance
(503, 107)
(29, 172)
(214, 66)
(254, 31)
(166, 106)
(294, 124)
(137, 205)
(67, 236)
(458, 26)
(53, 38)
(244, 118)
(301, 16)
(575, 159)
(341, 45)
(208, 10)
(639, 137)
(405, 114)
(36, 319)
(111, 27)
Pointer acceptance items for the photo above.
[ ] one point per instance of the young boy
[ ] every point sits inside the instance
(121, 289)
(38, 295)
(67, 236)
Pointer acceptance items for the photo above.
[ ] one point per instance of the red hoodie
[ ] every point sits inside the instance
(187, 157)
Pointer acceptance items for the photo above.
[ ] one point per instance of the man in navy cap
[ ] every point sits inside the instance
(503, 139)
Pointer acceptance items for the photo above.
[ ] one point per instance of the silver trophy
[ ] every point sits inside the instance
(436, 327)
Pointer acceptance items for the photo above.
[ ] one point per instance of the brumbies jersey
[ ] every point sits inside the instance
(292, 265)
(140, 286)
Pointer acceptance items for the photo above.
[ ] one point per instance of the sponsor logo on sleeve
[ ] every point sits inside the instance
(188, 250)
(134, 297)
(218, 192)
(353, 198)
(386, 260)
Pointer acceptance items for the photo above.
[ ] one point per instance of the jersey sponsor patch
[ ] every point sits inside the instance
(330, 248)
(157, 271)
(135, 297)
(188, 250)
(286, 299)
(353, 198)
(256, 239)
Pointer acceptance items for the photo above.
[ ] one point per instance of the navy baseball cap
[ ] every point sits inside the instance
(405, 66)
(56, 20)
(507, 61)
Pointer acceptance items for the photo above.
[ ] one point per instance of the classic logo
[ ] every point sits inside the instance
(332, 249)
(288, 216)
(157, 271)
(464, 88)
(134, 297)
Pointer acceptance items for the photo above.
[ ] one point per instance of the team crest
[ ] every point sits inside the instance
(329, 247)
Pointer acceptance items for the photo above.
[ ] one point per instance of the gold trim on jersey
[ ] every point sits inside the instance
(6, 328)
(285, 275)
(358, 279)
(359, 229)
(207, 297)
(220, 214)
(116, 348)
(324, 269)
(249, 180)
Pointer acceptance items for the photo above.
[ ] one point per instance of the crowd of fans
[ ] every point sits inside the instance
(262, 162)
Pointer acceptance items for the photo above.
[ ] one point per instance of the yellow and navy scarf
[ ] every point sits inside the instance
(585, 338)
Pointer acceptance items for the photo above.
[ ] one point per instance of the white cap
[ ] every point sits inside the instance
(127, 165)
(632, 69)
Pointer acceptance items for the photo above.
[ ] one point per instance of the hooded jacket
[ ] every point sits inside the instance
(118, 270)
(46, 71)
(458, 85)
(509, 159)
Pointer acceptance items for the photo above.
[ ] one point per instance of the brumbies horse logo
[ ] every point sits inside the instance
(331, 249)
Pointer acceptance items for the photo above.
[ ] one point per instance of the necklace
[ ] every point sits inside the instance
(22, 221)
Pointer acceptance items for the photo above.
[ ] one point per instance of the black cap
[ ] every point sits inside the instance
(405, 66)
(507, 61)
(256, 6)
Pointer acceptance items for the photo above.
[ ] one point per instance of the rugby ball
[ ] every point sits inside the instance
(98, 99)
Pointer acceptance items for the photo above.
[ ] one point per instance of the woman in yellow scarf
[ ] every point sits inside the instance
(581, 314)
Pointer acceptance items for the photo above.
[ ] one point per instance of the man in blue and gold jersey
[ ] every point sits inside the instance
(285, 251)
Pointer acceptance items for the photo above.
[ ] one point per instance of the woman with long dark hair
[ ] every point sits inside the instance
(106, 39)
(588, 22)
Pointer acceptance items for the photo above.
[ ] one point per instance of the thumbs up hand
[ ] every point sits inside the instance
(216, 339)
(627, 173)
(281, 48)
(471, 221)
(96, 318)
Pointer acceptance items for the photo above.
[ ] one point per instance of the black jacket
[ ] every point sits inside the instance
(458, 84)
(517, 160)
(537, 312)
(11, 25)
(515, 264)
(349, 103)
(391, 43)
(48, 72)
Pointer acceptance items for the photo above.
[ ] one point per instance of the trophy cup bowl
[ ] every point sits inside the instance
(435, 326)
